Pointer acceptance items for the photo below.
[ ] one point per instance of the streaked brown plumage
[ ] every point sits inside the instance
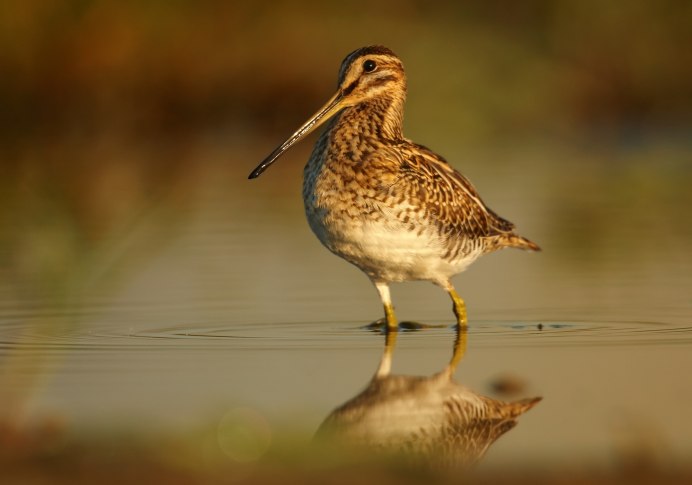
(393, 208)
(432, 422)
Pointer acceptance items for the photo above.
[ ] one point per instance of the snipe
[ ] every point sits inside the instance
(393, 208)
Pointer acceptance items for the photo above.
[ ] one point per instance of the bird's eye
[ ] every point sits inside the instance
(369, 65)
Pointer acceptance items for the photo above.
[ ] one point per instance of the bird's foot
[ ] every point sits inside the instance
(379, 324)
(383, 325)
(414, 326)
(409, 326)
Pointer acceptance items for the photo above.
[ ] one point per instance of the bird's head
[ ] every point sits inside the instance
(366, 74)
(369, 73)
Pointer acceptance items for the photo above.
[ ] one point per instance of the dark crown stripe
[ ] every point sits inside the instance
(373, 50)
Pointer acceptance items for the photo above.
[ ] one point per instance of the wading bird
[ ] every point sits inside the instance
(393, 208)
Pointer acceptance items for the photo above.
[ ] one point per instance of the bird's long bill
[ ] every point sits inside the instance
(327, 111)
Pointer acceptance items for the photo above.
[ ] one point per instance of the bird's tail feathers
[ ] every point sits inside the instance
(515, 241)
(523, 405)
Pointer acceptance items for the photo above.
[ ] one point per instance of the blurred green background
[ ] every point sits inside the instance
(107, 103)
(113, 109)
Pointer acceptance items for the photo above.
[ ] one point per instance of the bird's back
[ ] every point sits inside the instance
(455, 205)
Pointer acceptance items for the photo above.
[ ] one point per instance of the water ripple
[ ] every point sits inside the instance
(482, 334)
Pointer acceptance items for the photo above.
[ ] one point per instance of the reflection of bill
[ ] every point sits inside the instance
(428, 421)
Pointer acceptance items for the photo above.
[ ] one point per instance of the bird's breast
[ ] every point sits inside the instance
(369, 233)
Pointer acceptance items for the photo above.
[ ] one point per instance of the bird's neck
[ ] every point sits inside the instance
(380, 118)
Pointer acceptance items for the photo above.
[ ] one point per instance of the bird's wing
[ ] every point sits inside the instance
(444, 196)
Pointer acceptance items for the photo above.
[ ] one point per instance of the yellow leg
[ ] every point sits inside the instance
(392, 324)
(459, 347)
(459, 306)
(383, 290)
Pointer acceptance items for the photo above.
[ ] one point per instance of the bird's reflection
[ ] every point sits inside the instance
(432, 421)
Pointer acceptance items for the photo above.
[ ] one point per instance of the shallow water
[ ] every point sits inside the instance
(225, 301)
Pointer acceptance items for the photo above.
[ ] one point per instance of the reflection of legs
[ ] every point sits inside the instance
(383, 290)
(459, 306)
(386, 360)
(459, 347)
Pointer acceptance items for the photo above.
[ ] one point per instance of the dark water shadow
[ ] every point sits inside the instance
(430, 422)
(406, 326)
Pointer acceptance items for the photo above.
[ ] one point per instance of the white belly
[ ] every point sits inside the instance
(390, 252)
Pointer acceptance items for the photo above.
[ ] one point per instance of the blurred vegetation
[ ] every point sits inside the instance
(78, 72)
(106, 101)
(46, 454)
(147, 68)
